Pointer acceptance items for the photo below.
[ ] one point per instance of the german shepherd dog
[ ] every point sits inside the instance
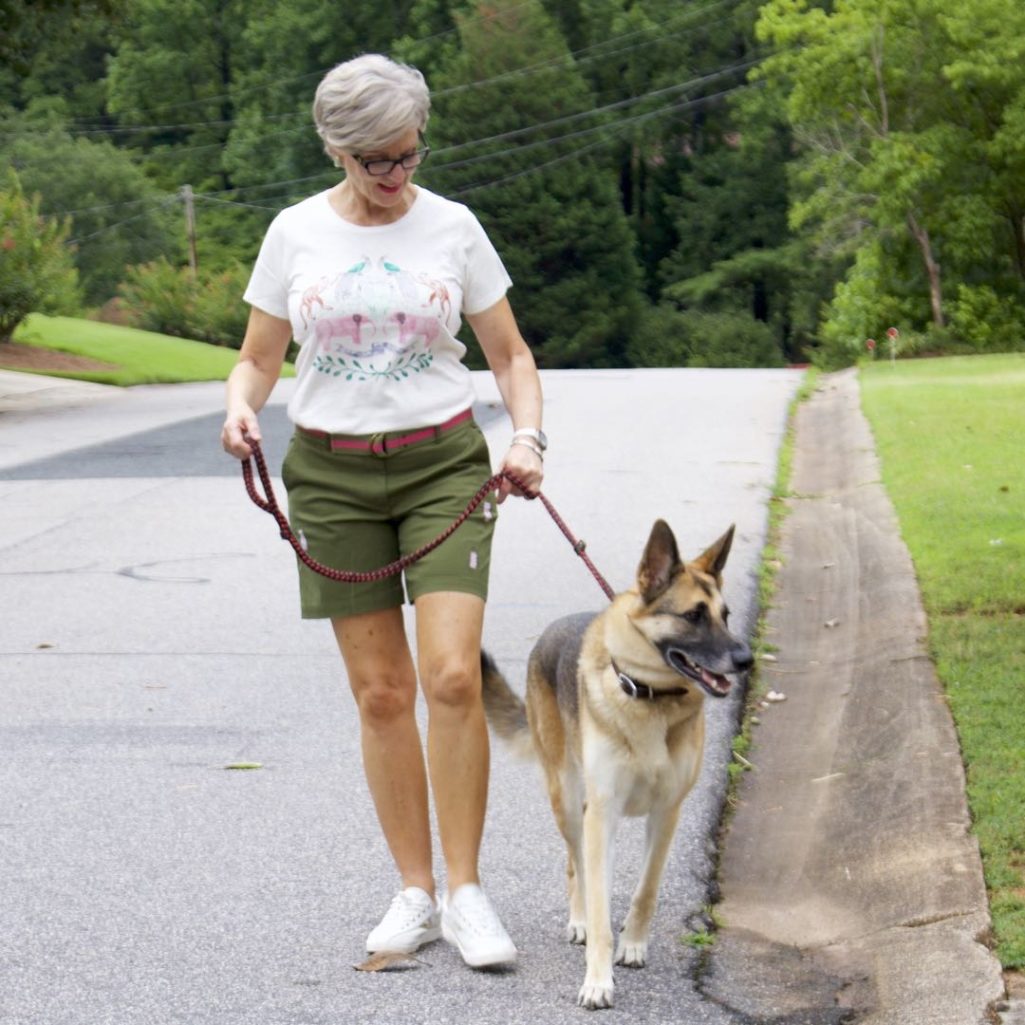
(614, 713)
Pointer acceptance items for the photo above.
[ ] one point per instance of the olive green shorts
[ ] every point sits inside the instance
(360, 510)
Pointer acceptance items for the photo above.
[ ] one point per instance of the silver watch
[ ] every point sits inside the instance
(532, 432)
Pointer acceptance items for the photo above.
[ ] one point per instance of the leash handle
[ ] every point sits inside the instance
(269, 504)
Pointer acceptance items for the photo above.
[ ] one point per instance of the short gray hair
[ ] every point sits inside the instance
(368, 102)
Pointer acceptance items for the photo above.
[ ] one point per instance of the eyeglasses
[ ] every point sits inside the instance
(384, 166)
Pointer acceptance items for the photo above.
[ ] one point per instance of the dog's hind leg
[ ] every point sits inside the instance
(571, 823)
(660, 827)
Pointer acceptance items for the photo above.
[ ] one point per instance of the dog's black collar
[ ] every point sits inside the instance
(633, 689)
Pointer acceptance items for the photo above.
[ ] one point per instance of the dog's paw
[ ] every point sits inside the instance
(576, 932)
(595, 995)
(632, 954)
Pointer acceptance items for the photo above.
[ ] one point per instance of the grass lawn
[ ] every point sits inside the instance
(138, 357)
(949, 433)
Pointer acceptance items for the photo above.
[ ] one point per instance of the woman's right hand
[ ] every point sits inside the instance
(240, 426)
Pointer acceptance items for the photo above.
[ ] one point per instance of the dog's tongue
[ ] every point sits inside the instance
(716, 686)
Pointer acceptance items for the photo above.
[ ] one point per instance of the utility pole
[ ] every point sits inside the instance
(190, 226)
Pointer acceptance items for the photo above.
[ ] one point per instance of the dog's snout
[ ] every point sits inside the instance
(742, 658)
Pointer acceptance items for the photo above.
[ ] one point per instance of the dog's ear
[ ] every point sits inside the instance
(714, 558)
(660, 561)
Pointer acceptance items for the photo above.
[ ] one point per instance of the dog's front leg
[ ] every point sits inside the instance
(599, 829)
(660, 828)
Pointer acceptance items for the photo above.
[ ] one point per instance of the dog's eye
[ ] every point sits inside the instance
(696, 614)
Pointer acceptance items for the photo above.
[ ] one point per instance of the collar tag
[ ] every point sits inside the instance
(630, 688)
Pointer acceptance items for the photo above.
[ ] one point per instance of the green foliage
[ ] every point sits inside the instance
(167, 299)
(662, 339)
(50, 41)
(693, 338)
(907, 115)
(36, 269)
(170, 77)
(219, 314)
(860, 309)
(986, 321)
(158, 296)
(550, 208)
(118, 218)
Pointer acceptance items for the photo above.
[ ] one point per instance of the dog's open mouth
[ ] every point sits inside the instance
(712, 683)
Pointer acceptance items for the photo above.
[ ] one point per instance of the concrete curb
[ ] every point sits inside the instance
(850, 851)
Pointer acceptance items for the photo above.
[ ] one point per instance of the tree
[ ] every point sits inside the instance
(56, 48)
(171, 79)
(514, 135)
(910, 160)
(117, 217)
(36, 271)
(988, 73)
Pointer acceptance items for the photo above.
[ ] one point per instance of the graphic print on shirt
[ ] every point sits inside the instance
(374, 320)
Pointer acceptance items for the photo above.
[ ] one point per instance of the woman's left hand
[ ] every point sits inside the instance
(526, 466)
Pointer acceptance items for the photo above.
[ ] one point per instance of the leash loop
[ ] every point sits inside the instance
(269, 504)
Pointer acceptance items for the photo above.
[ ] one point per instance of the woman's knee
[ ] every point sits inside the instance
(452, 683)
(385, 697)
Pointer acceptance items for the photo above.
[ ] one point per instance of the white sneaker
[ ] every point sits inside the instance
(410, 922)
(469, 922)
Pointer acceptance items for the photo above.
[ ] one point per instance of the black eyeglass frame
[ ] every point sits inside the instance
(420, 156)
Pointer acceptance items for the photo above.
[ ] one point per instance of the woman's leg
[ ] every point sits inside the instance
(383, 681)
(448, 631)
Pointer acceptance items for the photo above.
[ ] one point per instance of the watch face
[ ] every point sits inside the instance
(542, 440)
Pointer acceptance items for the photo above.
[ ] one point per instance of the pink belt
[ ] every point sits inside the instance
(382, 444)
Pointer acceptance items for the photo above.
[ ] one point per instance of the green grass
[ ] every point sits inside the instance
(139, 357)
(949, 433)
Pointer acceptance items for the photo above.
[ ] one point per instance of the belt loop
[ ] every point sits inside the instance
(379, 445)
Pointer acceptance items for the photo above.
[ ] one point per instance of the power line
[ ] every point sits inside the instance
(619, 104)
(570, 60)
(294, 80)
(120, 224)
(615, 128)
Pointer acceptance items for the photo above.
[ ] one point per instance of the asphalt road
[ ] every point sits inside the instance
(151, 638)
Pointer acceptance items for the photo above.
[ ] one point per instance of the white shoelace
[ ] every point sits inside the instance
(478, 915)
(406, 910)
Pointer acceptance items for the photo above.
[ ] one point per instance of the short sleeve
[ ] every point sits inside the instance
(487, 280)
(268, 289)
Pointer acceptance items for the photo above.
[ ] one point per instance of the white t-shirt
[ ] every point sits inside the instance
(376, 310)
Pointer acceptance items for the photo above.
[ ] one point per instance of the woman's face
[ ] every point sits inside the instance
(383, 190)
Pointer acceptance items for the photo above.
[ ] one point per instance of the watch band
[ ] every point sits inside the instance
(534, 433)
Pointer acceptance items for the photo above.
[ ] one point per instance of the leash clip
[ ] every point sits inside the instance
(580, 547)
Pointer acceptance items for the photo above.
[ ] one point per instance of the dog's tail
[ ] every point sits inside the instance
(505, 709)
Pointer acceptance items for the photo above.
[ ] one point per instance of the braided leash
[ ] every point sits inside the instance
(269, 504)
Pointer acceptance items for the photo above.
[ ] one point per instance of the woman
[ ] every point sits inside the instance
(371, 278)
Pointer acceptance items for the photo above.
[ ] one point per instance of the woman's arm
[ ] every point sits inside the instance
(253, 378)
(518, 382)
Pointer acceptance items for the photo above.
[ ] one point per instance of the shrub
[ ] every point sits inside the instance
(731, 340)
(860, 309)
(987, 322)
(37, 273)
(218, 313)
(160, 297)
(667, 337)
(661, 339)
